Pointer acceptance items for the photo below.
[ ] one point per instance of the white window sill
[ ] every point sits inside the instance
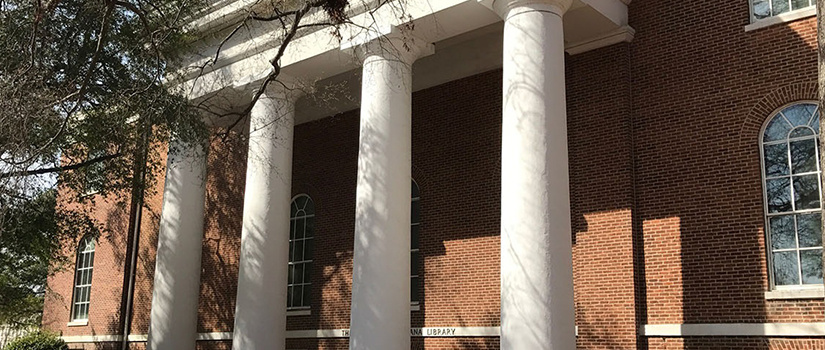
(783, 18)
(78, 323)
(299, 312)
(415, 307)
(801, 293)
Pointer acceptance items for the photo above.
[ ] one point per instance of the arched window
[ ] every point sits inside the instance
(301, 232)
(83, 278)
(415, 262)
(791, 174)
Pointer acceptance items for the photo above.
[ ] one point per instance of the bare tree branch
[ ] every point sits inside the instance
(59, 168)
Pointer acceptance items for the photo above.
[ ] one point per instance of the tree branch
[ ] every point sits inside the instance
(59, 168)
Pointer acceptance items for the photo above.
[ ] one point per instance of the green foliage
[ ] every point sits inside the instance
(31, 241)
(81, 84)
(38, 341)
(81, 78)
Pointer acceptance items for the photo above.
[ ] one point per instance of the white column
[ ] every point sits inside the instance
(260, 309)
(174, 313)
(537, 310)
(380, 316)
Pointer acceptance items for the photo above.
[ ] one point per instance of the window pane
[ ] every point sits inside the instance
(414, 235)
(798, 4)
(761, 9)
(779, 195)
(82, 312)
(785, 268)
(415, 212)
(299, 273)
(799, 114)
(812, 266)
(292, 224)
(810, 230)
(414, 289)
(305, 299)
(290, 275)
(414, 263)
(815, 122)
(289, 293)
(414, 190)
(308, 249)
(803, 156)
(309, 206)
(291, 251)
(307, 271)
(300, 228)
(299, 250)
(780, 6)
(801, 132)
(309, 229)
(300, 202)
(776, 160)
(806, 192)
(297, 294)
(782, 232)
(777, 129)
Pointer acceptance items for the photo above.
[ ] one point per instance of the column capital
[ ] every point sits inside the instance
(391, 42)
(508, 8)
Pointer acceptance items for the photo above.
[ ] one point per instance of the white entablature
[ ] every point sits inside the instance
(465, 31)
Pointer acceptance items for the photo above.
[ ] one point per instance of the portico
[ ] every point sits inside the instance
(536, 262)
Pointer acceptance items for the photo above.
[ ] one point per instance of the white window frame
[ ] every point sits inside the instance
(772, 294)
(792, 14)
(84, 262)
(294, 310)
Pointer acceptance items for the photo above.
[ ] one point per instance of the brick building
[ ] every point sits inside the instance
(669, 146)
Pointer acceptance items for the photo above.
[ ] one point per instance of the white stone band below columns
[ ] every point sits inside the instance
(536, 248)
(174, 313)
(380, 317)
(260, 310)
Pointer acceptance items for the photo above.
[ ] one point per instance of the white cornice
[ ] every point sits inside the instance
(621, 34)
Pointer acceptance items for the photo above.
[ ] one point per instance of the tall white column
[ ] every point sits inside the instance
(260, 309)
(174, 313)
(380, 316)
(537, 310)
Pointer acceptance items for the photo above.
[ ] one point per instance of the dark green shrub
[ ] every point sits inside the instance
(38, 341)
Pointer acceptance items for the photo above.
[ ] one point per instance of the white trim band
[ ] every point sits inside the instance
(619, 35)
(91, 338)
(807, 293)
(303, 312)
(416, 332)
(735, 329)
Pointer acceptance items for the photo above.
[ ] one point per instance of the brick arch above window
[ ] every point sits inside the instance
(768, 105)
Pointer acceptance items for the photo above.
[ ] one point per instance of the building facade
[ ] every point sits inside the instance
(503, 174)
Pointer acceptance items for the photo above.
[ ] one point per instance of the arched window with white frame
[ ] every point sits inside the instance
(792, 196)
(83, 279)
(301, 234)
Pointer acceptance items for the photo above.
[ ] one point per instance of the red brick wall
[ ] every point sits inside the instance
(697, 78)
(108, 266)
(601, 192)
